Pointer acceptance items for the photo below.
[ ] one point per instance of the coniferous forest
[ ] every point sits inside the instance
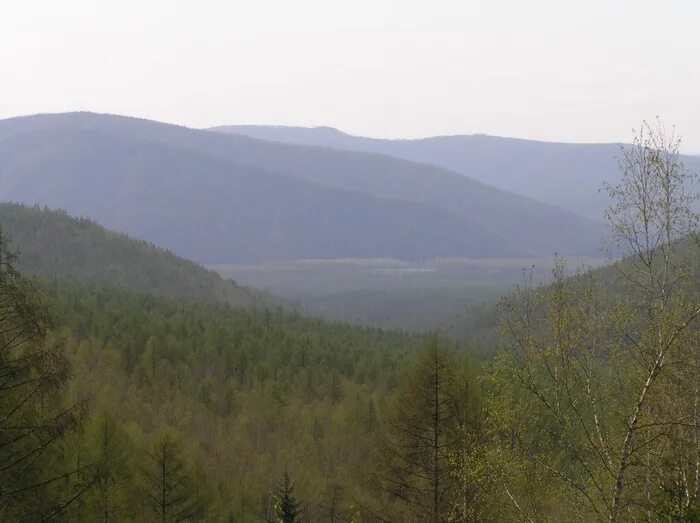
(125, 402)
(349, 262)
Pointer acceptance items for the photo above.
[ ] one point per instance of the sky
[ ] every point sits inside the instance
(564, 70)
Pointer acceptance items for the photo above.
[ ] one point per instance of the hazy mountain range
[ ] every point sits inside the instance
(215, 197)
(562, 174)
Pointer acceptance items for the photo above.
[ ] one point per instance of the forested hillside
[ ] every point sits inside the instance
(211, 323)
(568, 175)
(222, 198)
(55, 246)
(244, 395)
(125, 406)
(160, 357)
(479, 324)
(211, 210)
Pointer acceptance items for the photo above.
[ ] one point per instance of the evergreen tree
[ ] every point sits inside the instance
(168, 484)
(416, 460)
(33, 423)
(287, 508)
(113, 493)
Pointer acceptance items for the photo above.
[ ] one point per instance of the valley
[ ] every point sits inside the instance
(222, 337)
(349, 262)
(393, 293)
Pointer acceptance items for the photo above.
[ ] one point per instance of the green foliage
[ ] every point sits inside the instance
(611, 371)
(56, 246)
(170, 491)
(287, 508)
(109, 446)
(33, 420)
(243, 393)
(197, 406)
(432, 436)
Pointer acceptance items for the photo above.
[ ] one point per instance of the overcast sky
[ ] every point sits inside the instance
(582, 70)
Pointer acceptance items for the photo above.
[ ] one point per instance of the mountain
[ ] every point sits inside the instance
(58, 247)
(214, 197)
(562, 174)
(211, 210)
(479, 325)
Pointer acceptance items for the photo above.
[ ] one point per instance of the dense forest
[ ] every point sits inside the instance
(119, 405)
(55, 246)
(240, 395)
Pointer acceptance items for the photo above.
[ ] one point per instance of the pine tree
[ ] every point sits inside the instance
(287, 508)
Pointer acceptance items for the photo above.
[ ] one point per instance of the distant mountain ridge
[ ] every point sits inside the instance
(214, 197)
(563, 174)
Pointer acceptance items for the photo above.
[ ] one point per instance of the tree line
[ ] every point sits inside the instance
(124, 407)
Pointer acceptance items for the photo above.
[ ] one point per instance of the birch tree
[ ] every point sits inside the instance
(613, 359)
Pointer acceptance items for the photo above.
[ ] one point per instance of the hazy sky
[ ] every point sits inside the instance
(581, 70)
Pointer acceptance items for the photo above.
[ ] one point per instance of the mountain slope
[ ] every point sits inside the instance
(293, 201)
(562, 174)
(210, 210)
(478, 325)
(55, 246)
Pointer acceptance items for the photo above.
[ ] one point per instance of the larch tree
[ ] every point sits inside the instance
(113, 495)
(168, 484)
(33, 420)
(416, 469)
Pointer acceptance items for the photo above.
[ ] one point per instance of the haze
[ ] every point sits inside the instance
(562, 71)
(293, 261)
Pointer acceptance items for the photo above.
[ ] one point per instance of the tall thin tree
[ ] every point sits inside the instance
(416, 471)
(287, 507)
(168, 484)
(33, 374)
